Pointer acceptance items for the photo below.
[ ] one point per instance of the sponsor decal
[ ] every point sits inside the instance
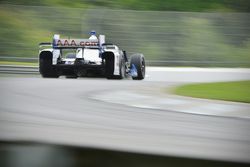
(75, 42)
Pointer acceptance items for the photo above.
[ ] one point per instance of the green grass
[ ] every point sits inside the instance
(238, 91)
(18, 63)
(174, 5)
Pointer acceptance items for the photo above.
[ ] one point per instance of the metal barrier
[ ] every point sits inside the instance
(11, 69)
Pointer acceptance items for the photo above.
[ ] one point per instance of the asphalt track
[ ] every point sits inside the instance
(61, 111)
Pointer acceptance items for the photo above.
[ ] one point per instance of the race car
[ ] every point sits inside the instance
(81, 57)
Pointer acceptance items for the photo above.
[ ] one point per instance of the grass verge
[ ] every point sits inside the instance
(18, 63)
(238, 91)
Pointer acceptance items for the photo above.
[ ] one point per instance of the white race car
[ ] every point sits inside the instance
(83, 57)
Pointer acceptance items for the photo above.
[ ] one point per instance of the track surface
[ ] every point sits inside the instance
(60, 111)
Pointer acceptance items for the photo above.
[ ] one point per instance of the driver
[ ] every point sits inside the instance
(93, 35)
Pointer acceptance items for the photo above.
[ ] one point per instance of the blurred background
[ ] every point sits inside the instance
(171, 33)
(211, 33)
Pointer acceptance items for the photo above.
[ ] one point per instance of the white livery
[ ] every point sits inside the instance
(83, 57)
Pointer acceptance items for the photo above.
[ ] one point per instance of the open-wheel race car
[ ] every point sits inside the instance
(81, 57)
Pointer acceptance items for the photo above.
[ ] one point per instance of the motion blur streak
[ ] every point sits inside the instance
(165, 38)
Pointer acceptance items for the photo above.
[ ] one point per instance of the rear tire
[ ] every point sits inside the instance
(122, 69)
(109, 67)
(47, 70)
(139, 61)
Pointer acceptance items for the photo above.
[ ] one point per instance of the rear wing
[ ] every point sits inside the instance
(59, 43)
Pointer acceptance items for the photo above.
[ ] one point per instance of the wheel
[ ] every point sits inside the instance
(46, 68)
(110, 69)
(138, 61)
(122, 69)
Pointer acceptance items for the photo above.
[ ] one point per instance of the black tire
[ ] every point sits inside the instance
(47, 70)
(122, 69)
(110, 69)
(139, 61)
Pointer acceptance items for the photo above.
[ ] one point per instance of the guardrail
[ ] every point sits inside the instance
(12, 69)
(18, 58)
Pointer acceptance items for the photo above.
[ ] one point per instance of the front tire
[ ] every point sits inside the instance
(139, 62)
